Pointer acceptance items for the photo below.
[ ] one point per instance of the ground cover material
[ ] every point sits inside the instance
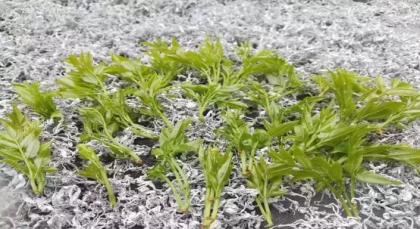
(369, 37)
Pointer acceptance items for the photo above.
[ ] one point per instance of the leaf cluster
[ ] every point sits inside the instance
(96, 171)
(217, 168)
(172, 142)
(21, 149)
(41, 102)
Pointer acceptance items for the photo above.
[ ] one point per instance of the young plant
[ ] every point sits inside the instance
(276, 71)
(331, 175)
(243, 141)
(217, 168)
(21, 149)
(148, 84)
(363, 99)
(266, 179)
(209, 62)
(96, 171)
(213, 94)
(86, 80)
(99, 127)
(114, 107)
(40, 102)
(172, 143)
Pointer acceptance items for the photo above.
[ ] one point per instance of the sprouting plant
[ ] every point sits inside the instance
(266, 179)
(331, 152)
(213, 94)
(243, 141)
(269, 65)
(99, 127)
(114, 107)
(173, 142)
(86, 80)
(363, 99)
(161, 61)
(41, 102)
(331, 175)
(96, 171)
(209, 62)
(21, 149)
(217, 168)
(148, 84)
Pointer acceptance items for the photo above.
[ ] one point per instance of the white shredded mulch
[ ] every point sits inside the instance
(372, 37)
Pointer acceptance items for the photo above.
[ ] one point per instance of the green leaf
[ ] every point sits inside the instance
(21, 149)
(373, 178)
(41, 102)
(96, 171)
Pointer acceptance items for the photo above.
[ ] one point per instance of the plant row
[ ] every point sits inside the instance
(322, 130)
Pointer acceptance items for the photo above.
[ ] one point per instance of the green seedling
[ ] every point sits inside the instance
(21, 149)
(217, 168)
(209, 62)
(39, 101)
(114, 107)
(276, 71)
(213, 94)
(96, 171)
(173, 142)
(86, 80)
(243, 141)
(363, 99)
(266, 179)
(100, 128)
(148, 84)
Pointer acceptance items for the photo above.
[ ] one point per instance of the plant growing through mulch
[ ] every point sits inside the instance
(323, 137)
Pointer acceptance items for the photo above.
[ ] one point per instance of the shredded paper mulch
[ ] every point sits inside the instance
(370, 37)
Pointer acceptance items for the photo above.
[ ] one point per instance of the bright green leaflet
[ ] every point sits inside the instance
(21, 149)
(217, 168)
(96, 171)
(173, 142)
(41, 102)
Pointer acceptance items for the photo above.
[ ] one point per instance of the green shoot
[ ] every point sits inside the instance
(86, 80)
(40, 102)
(99, 127)
(243, 141)
(266, 179)
(96, 171)
(217, 168)
(149, 85)
(209, 61)
(21, 149)
(115, 108)
(173, 142)
(265, 63)
(213, 94)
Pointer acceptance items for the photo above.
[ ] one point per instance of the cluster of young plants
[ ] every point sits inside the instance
(323, 129)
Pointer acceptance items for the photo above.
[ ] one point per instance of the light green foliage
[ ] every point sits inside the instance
(39, 101)
(96, 171)
(217, 168)
(100, 127)
(326, 137)
(214, 94)
(21, 149)
(210, 62)
(114, 107)
(86, 80)
(243, 141)
(363, 99)
(148, 83)
(272, 67)
(266, 179)
(173, 142)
